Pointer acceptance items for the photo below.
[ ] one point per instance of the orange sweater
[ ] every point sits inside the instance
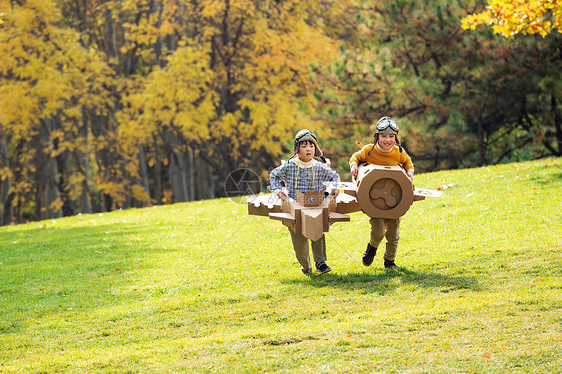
(392, 158)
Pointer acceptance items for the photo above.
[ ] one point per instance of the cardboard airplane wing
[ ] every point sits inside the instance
(378, 191)
(310, 214)
(384, 191)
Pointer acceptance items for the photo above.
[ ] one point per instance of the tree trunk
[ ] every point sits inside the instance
(481, 146)
(106, 203)
(205, 183)
(557, 123)
(176, 167)
(6, 196)
(144, 174)
(68, 207)
(99, 126)
(157, 8)
(53, 192)
(48, 178)
(83, 163)
(190, 177)
(111, 34)
(157, 172)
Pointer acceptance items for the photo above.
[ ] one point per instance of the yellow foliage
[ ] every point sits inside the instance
(56, 205)
(178, 95)
(76, 179)
(75, 185)
(114, 189)
(140, 193)
(214, 73)
(5, 173)
(43, 72)
(168, 196)
(511, 17)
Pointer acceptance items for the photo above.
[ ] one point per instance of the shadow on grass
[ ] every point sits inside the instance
(543, 180)
(388, 280)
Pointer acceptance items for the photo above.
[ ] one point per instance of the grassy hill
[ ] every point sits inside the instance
(203, 287)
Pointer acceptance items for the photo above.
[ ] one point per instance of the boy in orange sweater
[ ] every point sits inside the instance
(386, 151)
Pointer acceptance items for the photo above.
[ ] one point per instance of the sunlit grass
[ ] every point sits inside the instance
(203, 287)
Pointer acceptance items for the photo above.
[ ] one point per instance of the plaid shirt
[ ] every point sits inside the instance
(286, 176)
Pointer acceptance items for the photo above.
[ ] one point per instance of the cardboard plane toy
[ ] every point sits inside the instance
(378, 191)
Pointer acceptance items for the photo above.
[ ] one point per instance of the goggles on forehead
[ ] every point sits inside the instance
(303, 133)
(386, 122)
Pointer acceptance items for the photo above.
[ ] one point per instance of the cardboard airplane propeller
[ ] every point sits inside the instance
(378, 191)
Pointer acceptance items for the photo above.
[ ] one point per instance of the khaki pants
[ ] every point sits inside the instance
(300, 245)
(389, 228)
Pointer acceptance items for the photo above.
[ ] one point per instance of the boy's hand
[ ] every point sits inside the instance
(354, 170)
(282, 195)
(335, 193)
(410, 174)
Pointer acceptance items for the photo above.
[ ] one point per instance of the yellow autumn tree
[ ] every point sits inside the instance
(229, 88)
(261, 61)
(116, 96)
(511, 17)
(46, 80)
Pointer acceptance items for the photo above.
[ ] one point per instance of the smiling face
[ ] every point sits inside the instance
(306, 151)
(386, 141)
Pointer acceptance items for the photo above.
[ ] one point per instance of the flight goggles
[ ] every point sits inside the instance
(304, 133)
(386, 122)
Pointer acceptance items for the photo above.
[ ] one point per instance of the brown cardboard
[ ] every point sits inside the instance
(295, 211)
(418, 197)
(384, 191)
(349, 188)
(338, 217)
(262, 205)
(312, 223)
(285, 218)
(346, 204)
(310, 214)
(310, 198)
(379, 191)
(422, 193)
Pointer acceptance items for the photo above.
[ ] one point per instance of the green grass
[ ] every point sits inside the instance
(203, 287)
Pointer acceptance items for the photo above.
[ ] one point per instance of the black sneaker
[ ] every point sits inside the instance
(322, 267)
(369, 255)
(390, 264)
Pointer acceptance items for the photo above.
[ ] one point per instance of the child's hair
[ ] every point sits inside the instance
(305, 141)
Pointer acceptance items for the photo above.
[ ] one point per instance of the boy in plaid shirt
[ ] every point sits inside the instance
(304, 173)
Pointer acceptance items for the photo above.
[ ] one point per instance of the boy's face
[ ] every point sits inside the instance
(306, 151)
(387, 141)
